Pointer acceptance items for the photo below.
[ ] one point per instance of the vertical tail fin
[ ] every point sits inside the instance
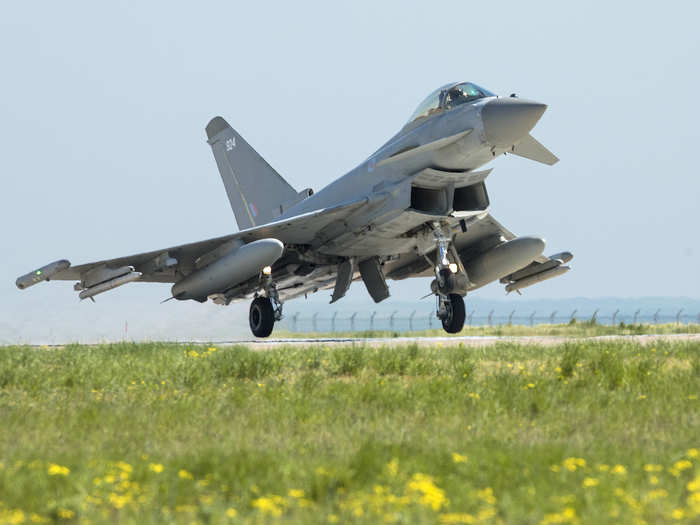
(254, 188)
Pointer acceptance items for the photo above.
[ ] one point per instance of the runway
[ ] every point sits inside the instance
(440, 341)
(447, 341)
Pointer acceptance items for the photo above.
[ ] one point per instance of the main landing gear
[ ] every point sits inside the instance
(266, 308)
(451, 312)
(450, 284)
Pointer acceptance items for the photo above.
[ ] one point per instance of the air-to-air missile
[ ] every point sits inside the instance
(536, 273)
(105, 286)
(42, 274)
(238, 263)
(537, 278)
(102, 278)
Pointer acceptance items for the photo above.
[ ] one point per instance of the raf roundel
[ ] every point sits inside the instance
(253, 209)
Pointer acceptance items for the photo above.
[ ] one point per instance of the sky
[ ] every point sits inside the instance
(103, 107)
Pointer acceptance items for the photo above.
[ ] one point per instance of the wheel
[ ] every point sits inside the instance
(262, 317)
(454, 320)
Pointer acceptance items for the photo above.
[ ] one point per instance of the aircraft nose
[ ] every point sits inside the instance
(507, 120)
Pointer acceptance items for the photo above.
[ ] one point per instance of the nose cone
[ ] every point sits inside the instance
(507, 120)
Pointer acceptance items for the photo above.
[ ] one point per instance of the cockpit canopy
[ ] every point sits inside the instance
(448, 97)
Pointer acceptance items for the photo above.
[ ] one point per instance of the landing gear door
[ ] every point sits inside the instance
(372, 275)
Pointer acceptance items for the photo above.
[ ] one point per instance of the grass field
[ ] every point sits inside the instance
(574, 329)
(586, 432)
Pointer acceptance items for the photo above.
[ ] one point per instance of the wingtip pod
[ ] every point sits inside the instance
(216, 126)
(42, 274)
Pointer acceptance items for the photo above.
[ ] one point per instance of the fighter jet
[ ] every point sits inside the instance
(417, 207)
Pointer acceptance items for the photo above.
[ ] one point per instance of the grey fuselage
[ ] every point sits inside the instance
(471, 153)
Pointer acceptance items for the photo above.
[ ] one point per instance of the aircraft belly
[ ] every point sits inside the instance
(383, 239)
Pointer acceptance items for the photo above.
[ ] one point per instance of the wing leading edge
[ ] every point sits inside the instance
(171, 264)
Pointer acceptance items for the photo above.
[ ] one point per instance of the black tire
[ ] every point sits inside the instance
(454, 322)
(261, 317)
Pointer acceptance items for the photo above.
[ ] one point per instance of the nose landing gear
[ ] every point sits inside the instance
(450, 284)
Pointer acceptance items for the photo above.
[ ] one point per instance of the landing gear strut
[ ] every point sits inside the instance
(450, 278)
(265, 309)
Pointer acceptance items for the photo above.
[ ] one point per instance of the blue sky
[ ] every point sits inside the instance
(103, 110)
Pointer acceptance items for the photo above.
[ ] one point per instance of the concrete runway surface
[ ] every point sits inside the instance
(445, 341)
(472, 341)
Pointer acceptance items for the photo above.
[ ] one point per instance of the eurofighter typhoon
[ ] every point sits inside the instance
(417, 207)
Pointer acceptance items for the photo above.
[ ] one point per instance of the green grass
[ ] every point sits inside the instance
(573, 329)
(590, 432)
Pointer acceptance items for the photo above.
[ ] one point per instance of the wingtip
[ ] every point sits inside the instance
(216, 126)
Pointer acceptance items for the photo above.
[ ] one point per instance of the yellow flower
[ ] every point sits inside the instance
(486, 495)
(694, 485)
(231, 513)
(124, 467)
(619, 469)
(531, 385)
(155, 467)
(657, 494)
(653, 480)
(119, 500)
(683, 464)
(458, 458)
(457, 518)
(430, 495)
(267, 505)
(590, 482)
(693, 453)
(12, 516)
(568, 515)
(296, 493)
(694, 502)
(554, 468)
(653, 468)
(603, 467)
(183, 474)
(393, 466)
(486, 513)
(677, 514)
(572, 464)
(65, 514)
(58, 470)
